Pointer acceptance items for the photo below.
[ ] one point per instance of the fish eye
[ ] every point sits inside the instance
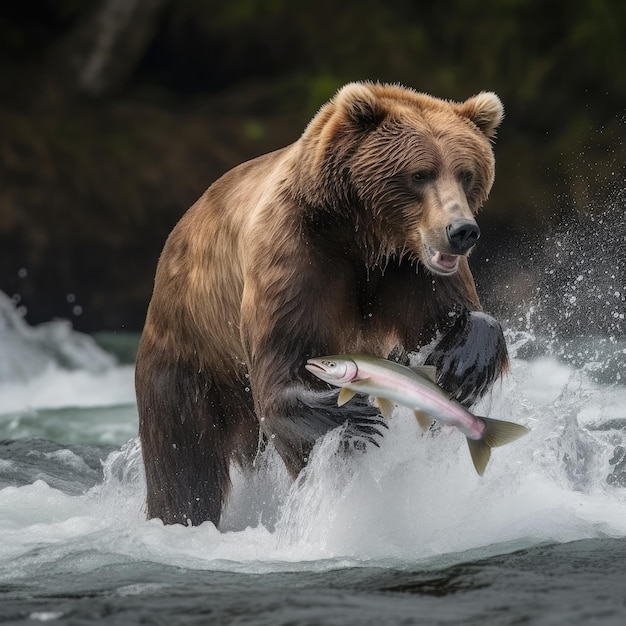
(330, 364)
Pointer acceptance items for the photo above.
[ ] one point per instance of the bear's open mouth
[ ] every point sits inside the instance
(441, 262)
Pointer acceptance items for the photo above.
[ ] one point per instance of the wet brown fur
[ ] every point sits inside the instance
(316, 248)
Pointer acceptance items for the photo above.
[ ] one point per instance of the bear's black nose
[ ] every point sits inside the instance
(462, 235)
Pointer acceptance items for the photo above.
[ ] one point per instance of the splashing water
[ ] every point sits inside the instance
(28, 351)
(577, 307)
(415, 497)
(54, 381)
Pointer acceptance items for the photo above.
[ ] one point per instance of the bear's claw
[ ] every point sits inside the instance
(470, 357)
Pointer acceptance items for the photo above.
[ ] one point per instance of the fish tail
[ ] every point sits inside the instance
(497, 433)
(480, 453)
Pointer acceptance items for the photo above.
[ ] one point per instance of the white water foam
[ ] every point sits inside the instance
(27, 351)
(56, 387)
(52, 366)
(416, 498)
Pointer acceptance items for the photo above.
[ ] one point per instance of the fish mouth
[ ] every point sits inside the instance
(320, 371)
(314, 368)
(439, 262)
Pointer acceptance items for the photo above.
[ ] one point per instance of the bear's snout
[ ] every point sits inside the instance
(462, 235)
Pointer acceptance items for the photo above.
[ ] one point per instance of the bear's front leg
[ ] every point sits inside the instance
(297, 309)
(470, 356)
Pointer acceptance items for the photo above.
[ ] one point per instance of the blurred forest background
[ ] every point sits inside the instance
(115, 115)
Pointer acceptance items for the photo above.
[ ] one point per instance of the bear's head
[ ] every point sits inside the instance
(407, 172)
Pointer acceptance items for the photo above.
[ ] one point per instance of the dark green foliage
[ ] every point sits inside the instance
(223, 81)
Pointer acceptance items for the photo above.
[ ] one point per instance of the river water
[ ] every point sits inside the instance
(404, 534)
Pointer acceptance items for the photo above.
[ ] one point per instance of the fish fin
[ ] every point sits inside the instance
(345, 395)
(386, 406)
(426, 371)
(497, 433)
(480, 451)
(423, 419)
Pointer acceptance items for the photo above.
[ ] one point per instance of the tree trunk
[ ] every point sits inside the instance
(100, 55)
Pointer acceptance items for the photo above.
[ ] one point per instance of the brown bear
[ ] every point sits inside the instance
(352, 239)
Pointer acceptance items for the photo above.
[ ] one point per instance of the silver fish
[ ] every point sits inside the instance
(415, 388)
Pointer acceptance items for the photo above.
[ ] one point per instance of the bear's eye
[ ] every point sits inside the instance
(423, 176)
(467, 178)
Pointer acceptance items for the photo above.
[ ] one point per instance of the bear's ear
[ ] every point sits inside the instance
(485, 110)
(360, 105)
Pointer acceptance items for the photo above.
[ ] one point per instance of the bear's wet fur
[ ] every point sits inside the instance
(353, 239)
